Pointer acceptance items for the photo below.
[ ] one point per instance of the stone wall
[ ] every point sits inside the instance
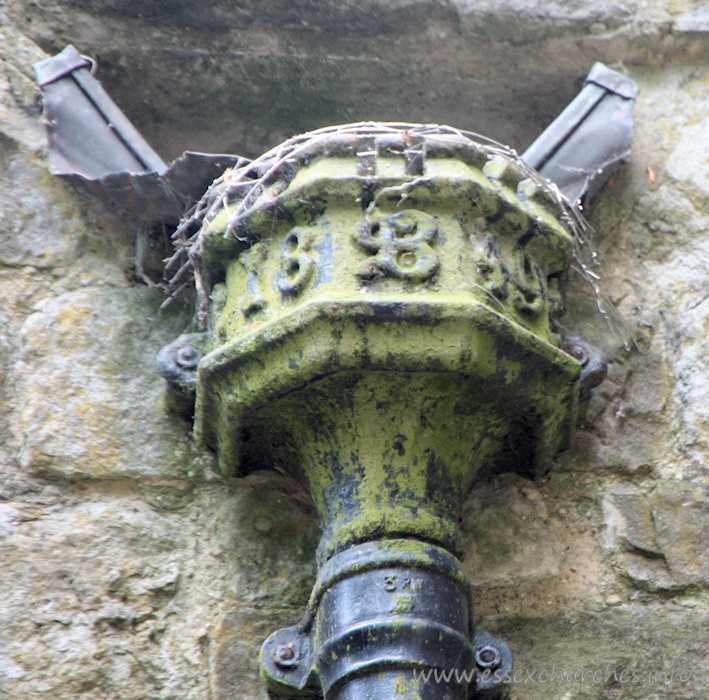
(130, 570)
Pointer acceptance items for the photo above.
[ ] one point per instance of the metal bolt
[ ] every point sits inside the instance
(188, 357)
(284, 654)
(488, 657)
(579, 352)
(594, 366)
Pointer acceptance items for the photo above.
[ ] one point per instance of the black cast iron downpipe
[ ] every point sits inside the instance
(365, 651)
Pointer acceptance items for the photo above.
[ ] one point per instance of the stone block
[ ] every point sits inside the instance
(506, 536)
(89, 399)
(655, 535)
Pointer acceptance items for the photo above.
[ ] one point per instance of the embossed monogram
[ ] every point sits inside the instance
(402, 244)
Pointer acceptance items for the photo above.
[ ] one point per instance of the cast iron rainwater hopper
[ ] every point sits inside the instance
(378, 312)
(377, 317)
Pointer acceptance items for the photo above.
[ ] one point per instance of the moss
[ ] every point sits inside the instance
(401, 686)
